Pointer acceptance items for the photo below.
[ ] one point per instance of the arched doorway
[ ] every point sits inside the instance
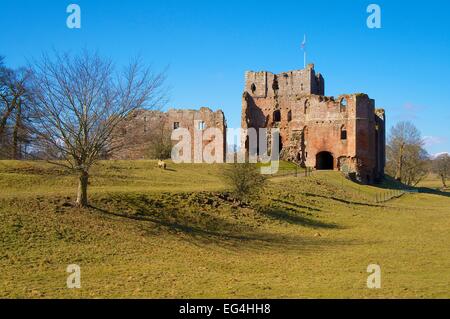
(324, 161)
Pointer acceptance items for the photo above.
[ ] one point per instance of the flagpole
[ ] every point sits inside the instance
(304, 58)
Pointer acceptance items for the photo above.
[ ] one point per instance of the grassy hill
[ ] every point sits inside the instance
(176, 233)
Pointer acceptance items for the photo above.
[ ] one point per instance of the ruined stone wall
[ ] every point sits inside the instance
(268, 85)
(135, 133)
(347, 127)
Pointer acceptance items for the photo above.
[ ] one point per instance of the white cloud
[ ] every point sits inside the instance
(439, 154)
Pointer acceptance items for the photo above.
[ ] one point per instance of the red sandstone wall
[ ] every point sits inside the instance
(135, 132)
(318, 118)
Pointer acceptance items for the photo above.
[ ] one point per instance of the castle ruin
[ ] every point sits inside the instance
(141, 126)
(346, 133)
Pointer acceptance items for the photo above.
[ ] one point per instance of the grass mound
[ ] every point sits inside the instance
(177, 233)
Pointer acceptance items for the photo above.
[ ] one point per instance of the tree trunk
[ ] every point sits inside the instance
(17, 126)
(82, 198)
(398, 175)
(5, 117)
(443, 180)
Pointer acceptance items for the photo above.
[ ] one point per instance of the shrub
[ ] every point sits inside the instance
(244, 180)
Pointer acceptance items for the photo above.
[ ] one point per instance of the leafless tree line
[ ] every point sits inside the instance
(73, 104)
(408, 161)
(15, 114)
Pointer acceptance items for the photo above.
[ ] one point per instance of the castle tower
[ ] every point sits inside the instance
(299, 82)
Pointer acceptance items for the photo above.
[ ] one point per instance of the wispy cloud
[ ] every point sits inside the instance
(409, 111)
(410, 107)
(434, 140)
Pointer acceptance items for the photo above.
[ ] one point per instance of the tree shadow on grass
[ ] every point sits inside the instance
(427, 190)
(297, 205)
(344, 201)
(297, 219)
(390, 183)
(212, 229)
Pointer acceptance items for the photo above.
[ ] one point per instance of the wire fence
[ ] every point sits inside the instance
(388, 194)
(392, 194)
(296, 172)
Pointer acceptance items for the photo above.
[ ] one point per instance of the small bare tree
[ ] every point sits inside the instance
(245, 180)
(80, 99)
(406, 157)
(441, 167)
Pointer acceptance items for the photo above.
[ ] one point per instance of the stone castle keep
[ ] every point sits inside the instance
(346, 133)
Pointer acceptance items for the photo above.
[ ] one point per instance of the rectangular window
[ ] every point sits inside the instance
(343, 134)
(176, 125)
(201, 125)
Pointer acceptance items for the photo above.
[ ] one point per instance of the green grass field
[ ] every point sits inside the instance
(176, 234)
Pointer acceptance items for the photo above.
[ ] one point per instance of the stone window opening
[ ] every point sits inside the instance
(343, 133)
(306, 106)
(176, 125)
(301, 86)
(275, 86)
(280, 144)
(343, 104)
(145, 124)
(253, 88)
(277, 116)
(201, 125)
(289, 116)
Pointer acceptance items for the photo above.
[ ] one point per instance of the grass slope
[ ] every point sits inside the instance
(175, 233)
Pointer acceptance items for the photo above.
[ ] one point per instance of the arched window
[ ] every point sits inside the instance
(277, 116)
(275, 86)
(289, 115)
(306, 106)
(343, 133)
(253, 88)
(343, 104)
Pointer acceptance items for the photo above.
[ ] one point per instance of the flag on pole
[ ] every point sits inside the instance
(304, 42)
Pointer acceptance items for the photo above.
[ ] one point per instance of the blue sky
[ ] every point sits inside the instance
(208, 46)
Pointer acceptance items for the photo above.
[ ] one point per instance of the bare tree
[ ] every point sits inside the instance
(441, 167)
(13, 109)
(244, 180)
(80, 99)
(160, 143)
(406, 157)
